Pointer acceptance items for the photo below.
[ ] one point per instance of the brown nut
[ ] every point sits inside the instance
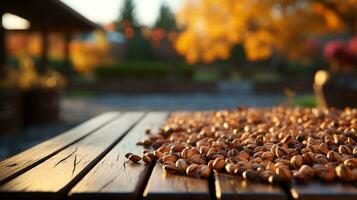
(218, 163)
(274, 179)
(265, 174)
(280, 152)
(158, 154)
(344, 149)
(148, 131)
(181, 165)
(244, 155)
(299, 177)
(231, 168)
(169, 169)
(177, 148)
(144, 151)
(283, 173)
(271, 167)
(187, 153)
(197, 158)
(287, 139)
(134, 158)
(351, 162)
(321, 159)
(192, 169)
(257, 160)
(333, 156)
(306, 171)
(259, 142)
(325, 173)
(204, 171)
(210, 164)
(204, 150)
(296, 161)
(250, 174)
(128, 154)
(343, 172)
(168, 163)
(144, 143)
(323, 148)
(268, 156)
(169, 158)
(147, 159)
(164, 149)
(308, 158)
(292, 152)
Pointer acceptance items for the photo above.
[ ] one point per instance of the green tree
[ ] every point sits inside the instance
(166, 19)
(136, 47)
(127, 15)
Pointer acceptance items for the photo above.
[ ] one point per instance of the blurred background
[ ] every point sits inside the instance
(65, 61)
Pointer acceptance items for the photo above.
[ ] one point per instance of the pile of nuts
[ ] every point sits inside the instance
(271, 145)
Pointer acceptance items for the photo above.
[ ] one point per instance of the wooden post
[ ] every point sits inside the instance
(66, 55)
(2, 47)
(44, 57)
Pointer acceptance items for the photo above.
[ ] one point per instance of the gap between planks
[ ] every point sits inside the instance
(114, 177)
(229, 187)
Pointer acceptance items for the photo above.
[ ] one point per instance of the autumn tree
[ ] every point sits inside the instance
(88, 55)
(212, 28)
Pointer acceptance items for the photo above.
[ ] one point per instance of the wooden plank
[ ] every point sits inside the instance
(54, 177)
(24, 161)
(230, 187)
(113, 177)
(326, 191)
(174, 187)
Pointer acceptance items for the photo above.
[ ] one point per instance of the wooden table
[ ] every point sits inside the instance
(88, 162)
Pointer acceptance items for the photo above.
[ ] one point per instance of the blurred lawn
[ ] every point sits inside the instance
(304, 101)
(266, 77)
(208, 76)
(81, 94)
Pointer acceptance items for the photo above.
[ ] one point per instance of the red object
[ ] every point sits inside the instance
(344, 53)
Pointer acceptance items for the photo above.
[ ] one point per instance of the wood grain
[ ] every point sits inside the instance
(325, 191)
(230, 187)
(114, 177)
(24, 161)
(56, 175)
(174, 187)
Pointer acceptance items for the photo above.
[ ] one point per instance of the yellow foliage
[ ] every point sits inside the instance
(87, 55)
(26, 77)
(211, 28)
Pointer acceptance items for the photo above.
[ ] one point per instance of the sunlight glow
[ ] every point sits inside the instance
(107, 11)
(14, 22)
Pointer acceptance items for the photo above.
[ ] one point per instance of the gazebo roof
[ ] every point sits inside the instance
(49, 15)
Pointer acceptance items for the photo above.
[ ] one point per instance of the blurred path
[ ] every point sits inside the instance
(75, 110)
(167, 102)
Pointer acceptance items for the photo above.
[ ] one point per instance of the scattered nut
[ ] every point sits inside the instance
(181, 165)
(218, 163)
(134, 158)
(204, 171)
(171, 169)
(147, 159)
(192, 169)
(261, 144)
(296, 161)
(344, 172)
